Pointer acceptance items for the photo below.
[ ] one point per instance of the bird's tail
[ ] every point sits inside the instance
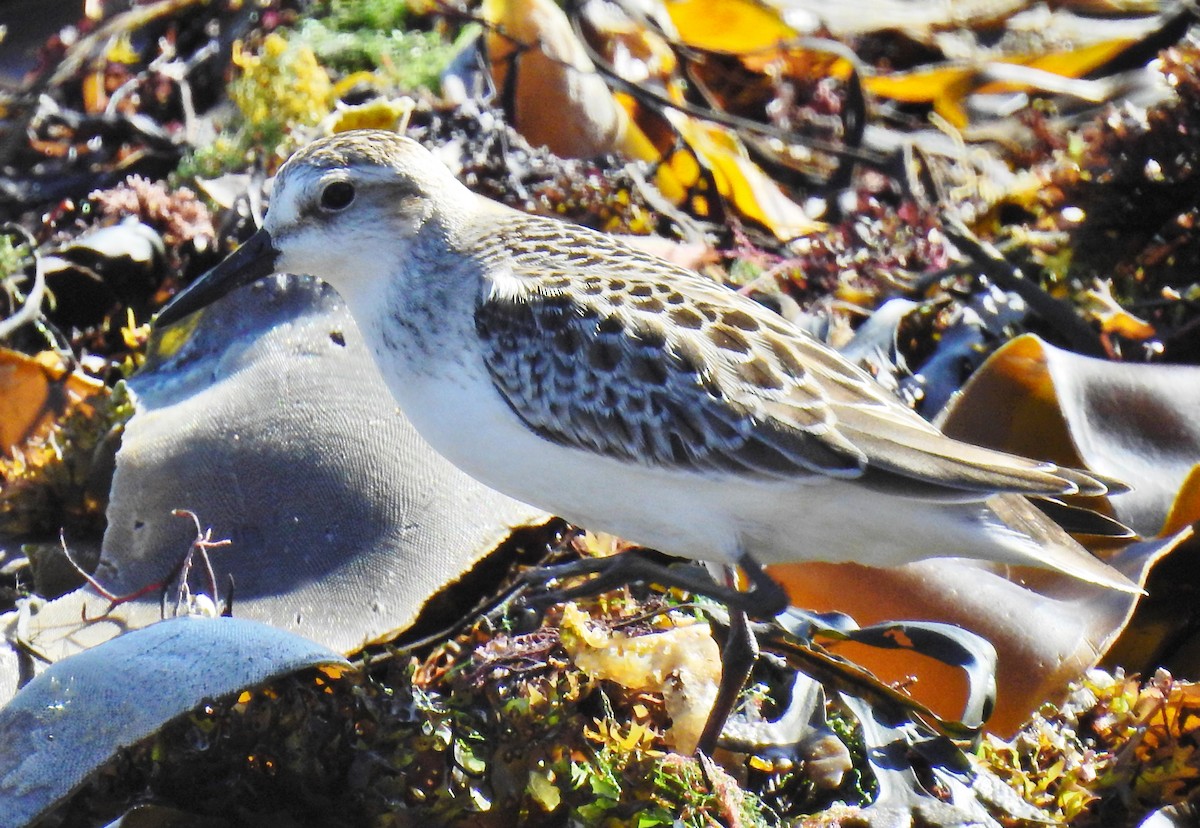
(1043, 543)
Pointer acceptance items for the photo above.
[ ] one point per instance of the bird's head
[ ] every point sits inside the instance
(341, 209)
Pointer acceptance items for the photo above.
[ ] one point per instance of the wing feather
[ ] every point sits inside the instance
(623, 354)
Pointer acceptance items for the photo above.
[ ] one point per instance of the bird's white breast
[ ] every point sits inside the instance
(432, 363)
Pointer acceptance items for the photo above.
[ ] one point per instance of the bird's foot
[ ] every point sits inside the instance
(608, 573)
(765, 599)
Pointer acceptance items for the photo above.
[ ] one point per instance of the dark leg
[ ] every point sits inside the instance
(768, 596)
(765, 598)
(737, 660)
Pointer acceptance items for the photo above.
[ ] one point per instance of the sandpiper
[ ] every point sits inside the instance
(627, 394)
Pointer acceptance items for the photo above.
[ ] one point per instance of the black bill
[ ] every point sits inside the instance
(249, 263)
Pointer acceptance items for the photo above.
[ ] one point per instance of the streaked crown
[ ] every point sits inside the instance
(367, 191)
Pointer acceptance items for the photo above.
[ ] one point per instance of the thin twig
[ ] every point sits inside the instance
(113, 599)
(1007, 276)
(201, 545)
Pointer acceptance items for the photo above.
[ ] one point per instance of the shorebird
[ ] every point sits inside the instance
(629, 395)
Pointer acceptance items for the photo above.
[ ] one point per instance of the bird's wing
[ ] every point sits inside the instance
(601, 347)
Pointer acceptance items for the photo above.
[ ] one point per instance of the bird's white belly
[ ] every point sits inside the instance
(704, 517)
(479, 433)
(444, 388)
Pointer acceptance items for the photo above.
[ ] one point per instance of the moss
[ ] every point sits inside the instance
(405, 60)
(281, 86)
(13, 257)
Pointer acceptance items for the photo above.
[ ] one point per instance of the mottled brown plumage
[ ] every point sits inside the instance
(601, 347)
(630, 395)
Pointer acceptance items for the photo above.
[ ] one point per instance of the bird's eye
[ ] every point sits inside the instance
(337, 195)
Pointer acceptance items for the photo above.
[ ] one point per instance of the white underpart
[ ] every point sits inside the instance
(454, 405)
(407, 272)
